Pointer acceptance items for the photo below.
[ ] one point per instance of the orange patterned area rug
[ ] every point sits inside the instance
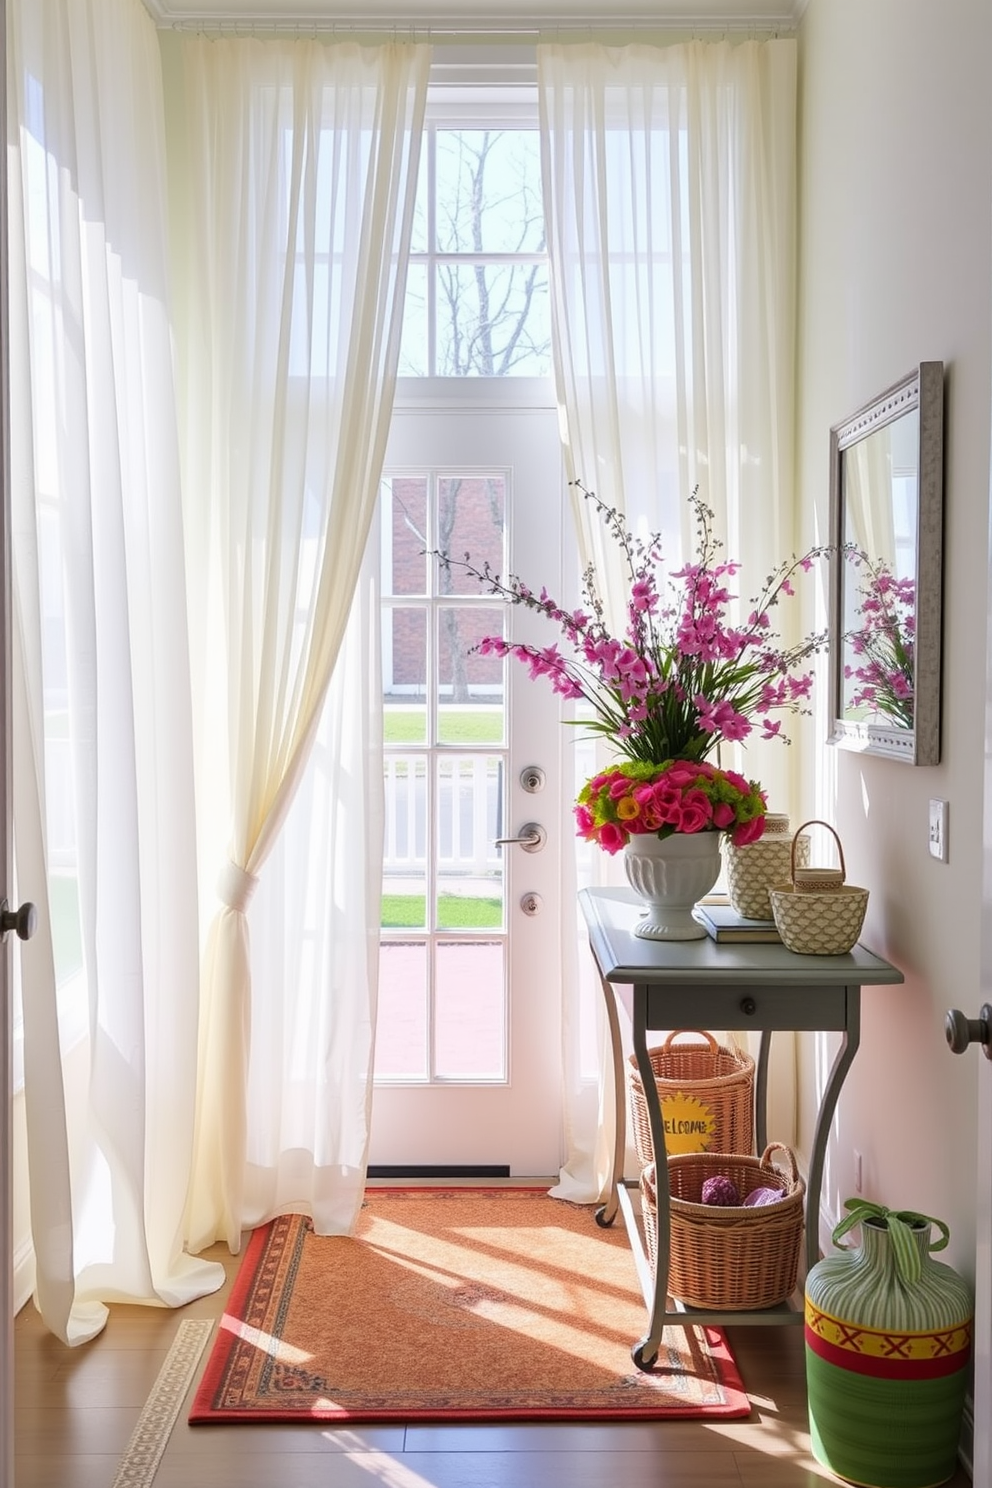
(453, 1305)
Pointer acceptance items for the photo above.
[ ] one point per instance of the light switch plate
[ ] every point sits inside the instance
(938, 830)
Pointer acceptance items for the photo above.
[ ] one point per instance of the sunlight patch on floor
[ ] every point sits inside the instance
(283, 1353)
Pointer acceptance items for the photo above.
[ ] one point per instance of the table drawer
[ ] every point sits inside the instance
(801, 1007)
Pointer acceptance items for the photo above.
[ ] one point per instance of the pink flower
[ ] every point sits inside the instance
(684, 773)
(748, 832)
(697, 800)
(721, 718)
(612, 837)
(643, 595)
(584, 820)
(693, 819)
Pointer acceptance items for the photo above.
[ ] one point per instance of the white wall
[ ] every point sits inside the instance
(23, 1250)
(896, 268)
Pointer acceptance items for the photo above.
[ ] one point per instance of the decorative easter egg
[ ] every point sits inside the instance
(720, 1190)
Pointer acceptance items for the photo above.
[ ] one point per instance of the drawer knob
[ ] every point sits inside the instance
(748, 1006)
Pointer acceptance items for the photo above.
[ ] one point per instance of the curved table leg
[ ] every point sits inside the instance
(761, 1092)
(842, 1063)
(607, 1212)
(645, 1352)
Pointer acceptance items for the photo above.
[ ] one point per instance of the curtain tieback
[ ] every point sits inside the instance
(235, 886)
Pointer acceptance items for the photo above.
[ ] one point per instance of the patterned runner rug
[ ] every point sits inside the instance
(453, 1304)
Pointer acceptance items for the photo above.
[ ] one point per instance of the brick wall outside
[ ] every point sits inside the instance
(470, 520)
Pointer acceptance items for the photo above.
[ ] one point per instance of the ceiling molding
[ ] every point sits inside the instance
(476, 16)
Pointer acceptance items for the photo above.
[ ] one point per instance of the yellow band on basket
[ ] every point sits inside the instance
(878, 1343)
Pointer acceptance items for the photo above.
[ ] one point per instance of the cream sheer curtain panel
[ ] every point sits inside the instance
(670, 205)
(300, 164)
(103, 787)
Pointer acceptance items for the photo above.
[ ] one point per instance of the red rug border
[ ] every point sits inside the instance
(203, 1414)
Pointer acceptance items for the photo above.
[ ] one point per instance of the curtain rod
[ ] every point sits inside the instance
(476, 28)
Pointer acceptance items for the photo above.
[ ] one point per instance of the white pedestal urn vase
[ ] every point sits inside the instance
(671, 875)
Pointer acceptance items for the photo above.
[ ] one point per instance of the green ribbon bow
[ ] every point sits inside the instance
(900, 1224)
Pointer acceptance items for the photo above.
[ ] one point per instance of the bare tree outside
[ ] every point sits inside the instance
(483, 491)
(477, 293)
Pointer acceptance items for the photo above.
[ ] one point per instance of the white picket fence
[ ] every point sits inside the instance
(468, 814)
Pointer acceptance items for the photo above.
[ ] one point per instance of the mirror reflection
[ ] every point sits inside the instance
(880, 479)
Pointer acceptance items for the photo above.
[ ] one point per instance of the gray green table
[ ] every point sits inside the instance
(664, 985)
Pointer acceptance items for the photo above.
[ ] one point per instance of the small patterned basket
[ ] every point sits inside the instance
(753, 869)
(732, 1258)
(818, 914)
(718, 1080)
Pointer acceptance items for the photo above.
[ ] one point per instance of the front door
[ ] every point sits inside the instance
(468, 1033)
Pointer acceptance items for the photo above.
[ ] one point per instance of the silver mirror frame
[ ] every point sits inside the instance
(920, 745)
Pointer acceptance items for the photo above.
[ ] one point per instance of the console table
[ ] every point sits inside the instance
(701, 984)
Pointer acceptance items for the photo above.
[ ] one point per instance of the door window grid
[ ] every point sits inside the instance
(443, 994)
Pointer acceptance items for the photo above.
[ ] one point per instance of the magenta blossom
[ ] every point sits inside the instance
(634, 799)
(696, 666)
(748, 832)
(883, 645)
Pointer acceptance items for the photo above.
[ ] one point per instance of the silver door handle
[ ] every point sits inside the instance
(532, 837)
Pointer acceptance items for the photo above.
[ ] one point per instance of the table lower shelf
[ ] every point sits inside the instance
(676, 1312)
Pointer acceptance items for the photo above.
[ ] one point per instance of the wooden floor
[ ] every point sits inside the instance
(75, 1410)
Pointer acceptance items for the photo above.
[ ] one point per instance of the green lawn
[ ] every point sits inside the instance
(455, 912)
(473, 726)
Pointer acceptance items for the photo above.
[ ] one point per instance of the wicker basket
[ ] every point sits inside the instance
(735, 1259)
(752, 869)
(818, 914)
(720, 1079)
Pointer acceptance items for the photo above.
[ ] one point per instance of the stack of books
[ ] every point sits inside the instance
(723, 923)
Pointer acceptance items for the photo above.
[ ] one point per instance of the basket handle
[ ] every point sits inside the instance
(766, 1161)
(676, 1032)
(815, 822)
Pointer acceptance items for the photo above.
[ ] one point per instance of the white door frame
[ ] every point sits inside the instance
(6, 875)
(982, 1388)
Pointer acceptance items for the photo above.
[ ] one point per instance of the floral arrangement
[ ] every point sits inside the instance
(680, 680)
(682, 796)
(884, 645)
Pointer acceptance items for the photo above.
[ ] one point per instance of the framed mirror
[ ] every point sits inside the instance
(886, 522)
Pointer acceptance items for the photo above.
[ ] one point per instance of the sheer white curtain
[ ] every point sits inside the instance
(300, 163)
(669, 181)
(103, 814)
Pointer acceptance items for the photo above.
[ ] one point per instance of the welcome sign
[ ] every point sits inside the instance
(689, 1124)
